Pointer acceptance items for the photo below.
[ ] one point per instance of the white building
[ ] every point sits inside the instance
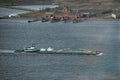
(115, 16)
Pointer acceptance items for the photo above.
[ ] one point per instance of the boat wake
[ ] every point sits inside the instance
(100, 54)
(7, 51)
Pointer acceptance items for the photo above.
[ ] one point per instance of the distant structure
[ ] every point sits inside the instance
(115, 16)
(12, 15)
(66, 13)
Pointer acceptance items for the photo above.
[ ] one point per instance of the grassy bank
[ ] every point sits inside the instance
(36, 14)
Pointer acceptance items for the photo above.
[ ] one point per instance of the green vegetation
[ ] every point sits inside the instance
(37, 14)
(32, 15)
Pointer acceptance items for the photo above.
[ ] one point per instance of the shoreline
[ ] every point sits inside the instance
(36, 14)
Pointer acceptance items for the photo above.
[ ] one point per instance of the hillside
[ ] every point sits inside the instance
(72, 2)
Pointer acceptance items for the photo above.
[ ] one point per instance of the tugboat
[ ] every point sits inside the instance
(31, 49)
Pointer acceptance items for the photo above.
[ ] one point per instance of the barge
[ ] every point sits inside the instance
(60, 51)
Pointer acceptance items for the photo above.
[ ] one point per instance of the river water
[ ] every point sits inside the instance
(6, 11)
(100, 35)
(37, 7)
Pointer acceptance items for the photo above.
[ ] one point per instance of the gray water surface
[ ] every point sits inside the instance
(6, 11)
(36, 7)
(93, 35)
